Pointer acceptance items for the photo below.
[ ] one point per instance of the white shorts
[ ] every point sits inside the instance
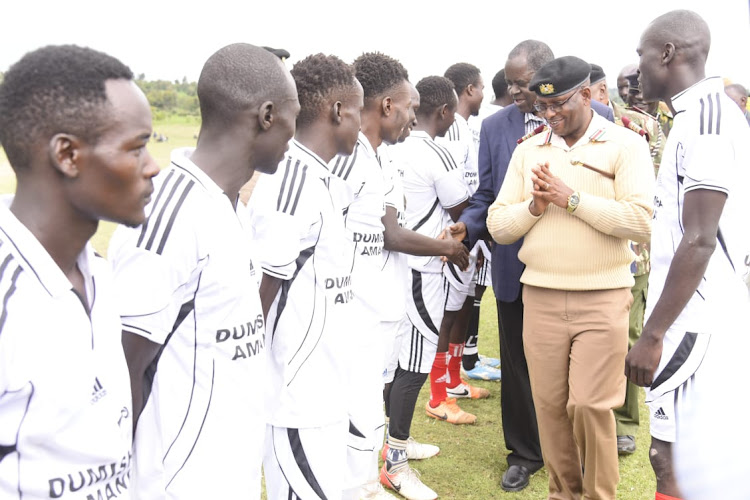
(393, 335)
(419, 331)
(305, 463)
(483, 276)
(364, 402)
(682, 356)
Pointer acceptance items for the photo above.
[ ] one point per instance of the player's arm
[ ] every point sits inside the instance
(140, 352)
(701, 213)
(399, 239)
(269, 288)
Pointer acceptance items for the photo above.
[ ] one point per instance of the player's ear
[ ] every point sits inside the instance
(266, 116)
(387, 105)
(668, 53)
(444, 110)
(336, 112)
(65, 154)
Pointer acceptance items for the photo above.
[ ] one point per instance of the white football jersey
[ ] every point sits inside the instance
(707, 148)
(433, 183)
(304, 243)
(185, 281)
(65, 403)
(365, 184)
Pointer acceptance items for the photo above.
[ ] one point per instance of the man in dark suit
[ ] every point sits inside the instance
(499, 137)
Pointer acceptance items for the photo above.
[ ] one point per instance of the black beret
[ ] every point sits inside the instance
(560, 76)
(280, 53)
(597, 73)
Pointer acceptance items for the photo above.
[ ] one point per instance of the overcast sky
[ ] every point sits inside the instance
(166, 39)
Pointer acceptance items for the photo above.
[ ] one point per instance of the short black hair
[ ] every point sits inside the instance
(236, 78)
(462, 75)
(378, 73)
(434, 91)
(499, 86)
(51, 90)
(317, 77)
(537, 53)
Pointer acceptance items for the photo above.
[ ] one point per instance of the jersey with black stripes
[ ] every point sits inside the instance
(433, 183)
(305, 245)
(459, 140)
(363, 194)
(186, 280)
(65, 403)
(707, 149)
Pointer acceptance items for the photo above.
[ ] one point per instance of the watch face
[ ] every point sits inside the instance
(574, 199)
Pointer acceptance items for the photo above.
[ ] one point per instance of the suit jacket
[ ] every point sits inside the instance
(497, 141)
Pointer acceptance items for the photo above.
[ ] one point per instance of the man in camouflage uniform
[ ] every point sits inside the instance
(626, 417)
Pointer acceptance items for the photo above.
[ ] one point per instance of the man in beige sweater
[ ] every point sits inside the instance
(576, 193)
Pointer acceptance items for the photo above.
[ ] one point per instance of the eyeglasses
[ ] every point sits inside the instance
(554, 106)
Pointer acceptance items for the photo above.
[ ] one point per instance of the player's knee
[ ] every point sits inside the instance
(660, 456)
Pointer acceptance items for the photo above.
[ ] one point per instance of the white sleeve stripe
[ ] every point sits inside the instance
(711, 187)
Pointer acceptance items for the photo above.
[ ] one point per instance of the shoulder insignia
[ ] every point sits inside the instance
(531, 134)
(628, 123)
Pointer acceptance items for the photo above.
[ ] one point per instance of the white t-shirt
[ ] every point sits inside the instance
(433, 183)
(394, 263)
(304, 243)
(459, 140)
(363, 195)
(65, 403)
(708, 148)
(185, 280)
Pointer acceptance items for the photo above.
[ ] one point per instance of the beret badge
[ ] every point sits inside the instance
(546, 88)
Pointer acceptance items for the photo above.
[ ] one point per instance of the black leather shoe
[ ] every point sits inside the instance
(515, 478)
(625, 445)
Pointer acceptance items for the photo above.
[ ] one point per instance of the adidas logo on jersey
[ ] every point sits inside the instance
(99, 391)
(660, 414)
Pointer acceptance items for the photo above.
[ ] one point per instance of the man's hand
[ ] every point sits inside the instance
(643, 359)
(457, 252)
(458, 231)
(547, 189)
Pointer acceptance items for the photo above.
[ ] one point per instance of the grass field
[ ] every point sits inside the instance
(472, 458)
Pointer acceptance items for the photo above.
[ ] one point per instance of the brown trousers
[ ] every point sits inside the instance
(575, 344)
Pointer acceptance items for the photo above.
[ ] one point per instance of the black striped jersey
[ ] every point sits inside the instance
(185, 280)
(433, 183)
(708, 148)
(65, 403)
(459, 140)
(304, 243)
(363, 195)
(394, 263)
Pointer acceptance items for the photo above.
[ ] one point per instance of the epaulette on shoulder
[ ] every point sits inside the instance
(534, 132)
(628, 123)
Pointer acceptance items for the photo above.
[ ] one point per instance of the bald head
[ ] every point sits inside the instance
(240, 77)
(673, 51)
(684, 29)
(738, 94)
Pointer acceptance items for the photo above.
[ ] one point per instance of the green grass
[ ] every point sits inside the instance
(472, 458)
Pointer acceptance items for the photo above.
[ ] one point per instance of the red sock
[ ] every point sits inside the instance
(438, 374)
(662, 496)
(455, 352)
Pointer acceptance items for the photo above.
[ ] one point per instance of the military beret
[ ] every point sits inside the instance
(560, 76)
(597, 73)
(280, 53)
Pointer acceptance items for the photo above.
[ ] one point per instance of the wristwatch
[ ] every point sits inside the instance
(573, 201)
